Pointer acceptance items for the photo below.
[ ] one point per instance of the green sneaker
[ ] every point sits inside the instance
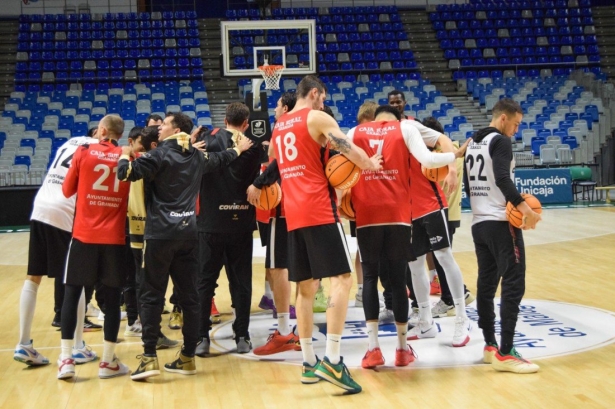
(320, 301)
(307, 374)
(338, 375)
(148, 366)
(184, 365)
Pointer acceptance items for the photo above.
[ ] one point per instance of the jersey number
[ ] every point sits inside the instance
(106, 172)
(65, 161)
(290, 150)
(480, 160)
(377, 142)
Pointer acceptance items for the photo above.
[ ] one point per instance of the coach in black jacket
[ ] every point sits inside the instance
(172, 174)
(226, 223)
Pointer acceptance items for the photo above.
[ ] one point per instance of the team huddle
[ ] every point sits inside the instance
(191, 198)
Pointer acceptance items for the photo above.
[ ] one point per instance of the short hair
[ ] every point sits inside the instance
(288, 100)
(328, 111)
(114, 124)
(308, 83)
(396, 92)
(135, 132)
(434, 124)
(506, 106)
(155, 117)
(181, 121)
(367, 111)
(149, 134)
(388, 109)
(91, 131)
(237, 113)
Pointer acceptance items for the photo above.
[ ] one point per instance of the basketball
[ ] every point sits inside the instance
(341, 172)
(515, 217)
(346, 209)
(270, 197)
(435, 174)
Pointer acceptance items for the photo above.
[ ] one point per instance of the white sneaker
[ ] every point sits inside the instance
(134, 330)
(469, 298)
(423, 330)
(28, 355)
(92, 311)
(112, 369)
(413, 319)
(358, 300)
(463, 325)
(83, 355)
(66, 368)
(101, 316)
(441, 309)
(386, 316)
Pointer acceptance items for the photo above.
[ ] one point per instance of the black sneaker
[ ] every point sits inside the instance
(57, 320)
(89, 326)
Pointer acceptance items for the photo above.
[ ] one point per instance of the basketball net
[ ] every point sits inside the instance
(271, 76)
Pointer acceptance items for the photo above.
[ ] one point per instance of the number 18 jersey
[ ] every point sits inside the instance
(309, 200)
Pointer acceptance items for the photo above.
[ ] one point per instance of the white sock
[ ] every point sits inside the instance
(425, 312)
(372, 335)
(67, 348)
(80, 319)
(432, 274)
(268, 291)
(284, 323)
(27, 305)
(402, 335)
(460, 307)
(332, 350)
(307, 349)
(360, 289)
(454, 278)
(108, 351)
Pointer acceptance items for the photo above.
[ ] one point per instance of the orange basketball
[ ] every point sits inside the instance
(435, 174)
(515, 217)
(341, 172)
(270, 197)
(346, 208)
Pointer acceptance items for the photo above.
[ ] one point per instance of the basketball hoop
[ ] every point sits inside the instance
(271, 75)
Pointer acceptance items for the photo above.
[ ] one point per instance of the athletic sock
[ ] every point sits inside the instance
(505, 348)
(27, 305)
(425, 312)
(372, 334)
(67, 348)
(432, 274)
(108, 351)
(332, 350)
(360, 289)
(268, 292)
(460, 307)
(307, 349)
(80, 320)
(284, 323)
(402, 334)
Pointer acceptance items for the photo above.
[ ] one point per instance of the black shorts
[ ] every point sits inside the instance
(318, 252)
(353, 228)
(263, 232)
(430, 233)
(389, 242)
(87, 263)
(277, 244)
(47, 250)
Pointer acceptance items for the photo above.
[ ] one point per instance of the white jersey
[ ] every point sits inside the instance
(50, 205)
(486, 198)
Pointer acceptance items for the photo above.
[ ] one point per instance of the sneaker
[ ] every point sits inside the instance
(403, 357)
(277, 343)
(66, 368)
(91, 311)
(441, 309)
(320, 301)
(372, 358)
(292, 311)
(57, 320)
(176, 319)
(358, 300)
(84, 355)
(423, 330)
(307, 373)
(134, 330)
(89, 326)
(386, 316)
(512, 362)
(435, 286)
(214, 309)
(101, 315)
(184, 365)
(266, 303)
(202, 347)
(112, 369)
(469, 298)
(166, 343)
(414, 318)
(29, 356)
(148, 366)
(243, 345)
(463, 325)
(337, 374)
(216, 320)
(489, 352)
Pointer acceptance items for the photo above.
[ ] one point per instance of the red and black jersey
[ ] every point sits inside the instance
(427, 196)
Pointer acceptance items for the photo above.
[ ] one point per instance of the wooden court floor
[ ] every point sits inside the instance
(570, 258)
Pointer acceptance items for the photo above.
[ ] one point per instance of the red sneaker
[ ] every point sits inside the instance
(489, 352)
(372, 358)
(435, 286)
(403, 357)
(214, 310)
(277, 343)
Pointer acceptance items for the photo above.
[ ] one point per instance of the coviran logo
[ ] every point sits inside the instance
(182, 214)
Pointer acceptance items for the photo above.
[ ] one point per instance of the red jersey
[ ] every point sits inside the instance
(102, 199)
(427, 196)
(383, 197)
(309, 200)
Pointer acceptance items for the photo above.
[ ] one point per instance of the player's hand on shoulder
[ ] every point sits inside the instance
(244, 143)
(200, 145)
(462, 149)
(127, 150)
(194, 134)
(376, 161)
(254, 195)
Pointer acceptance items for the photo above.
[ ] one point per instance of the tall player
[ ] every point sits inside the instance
(500, 251)
(317, 245)
(51, 225)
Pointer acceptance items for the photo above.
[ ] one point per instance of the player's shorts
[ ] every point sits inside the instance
(430, 233)
(318, 252)
(263, 232)
(47, 248)
(353, 228)
(87, 263)
(389, 242)
(277, 244)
